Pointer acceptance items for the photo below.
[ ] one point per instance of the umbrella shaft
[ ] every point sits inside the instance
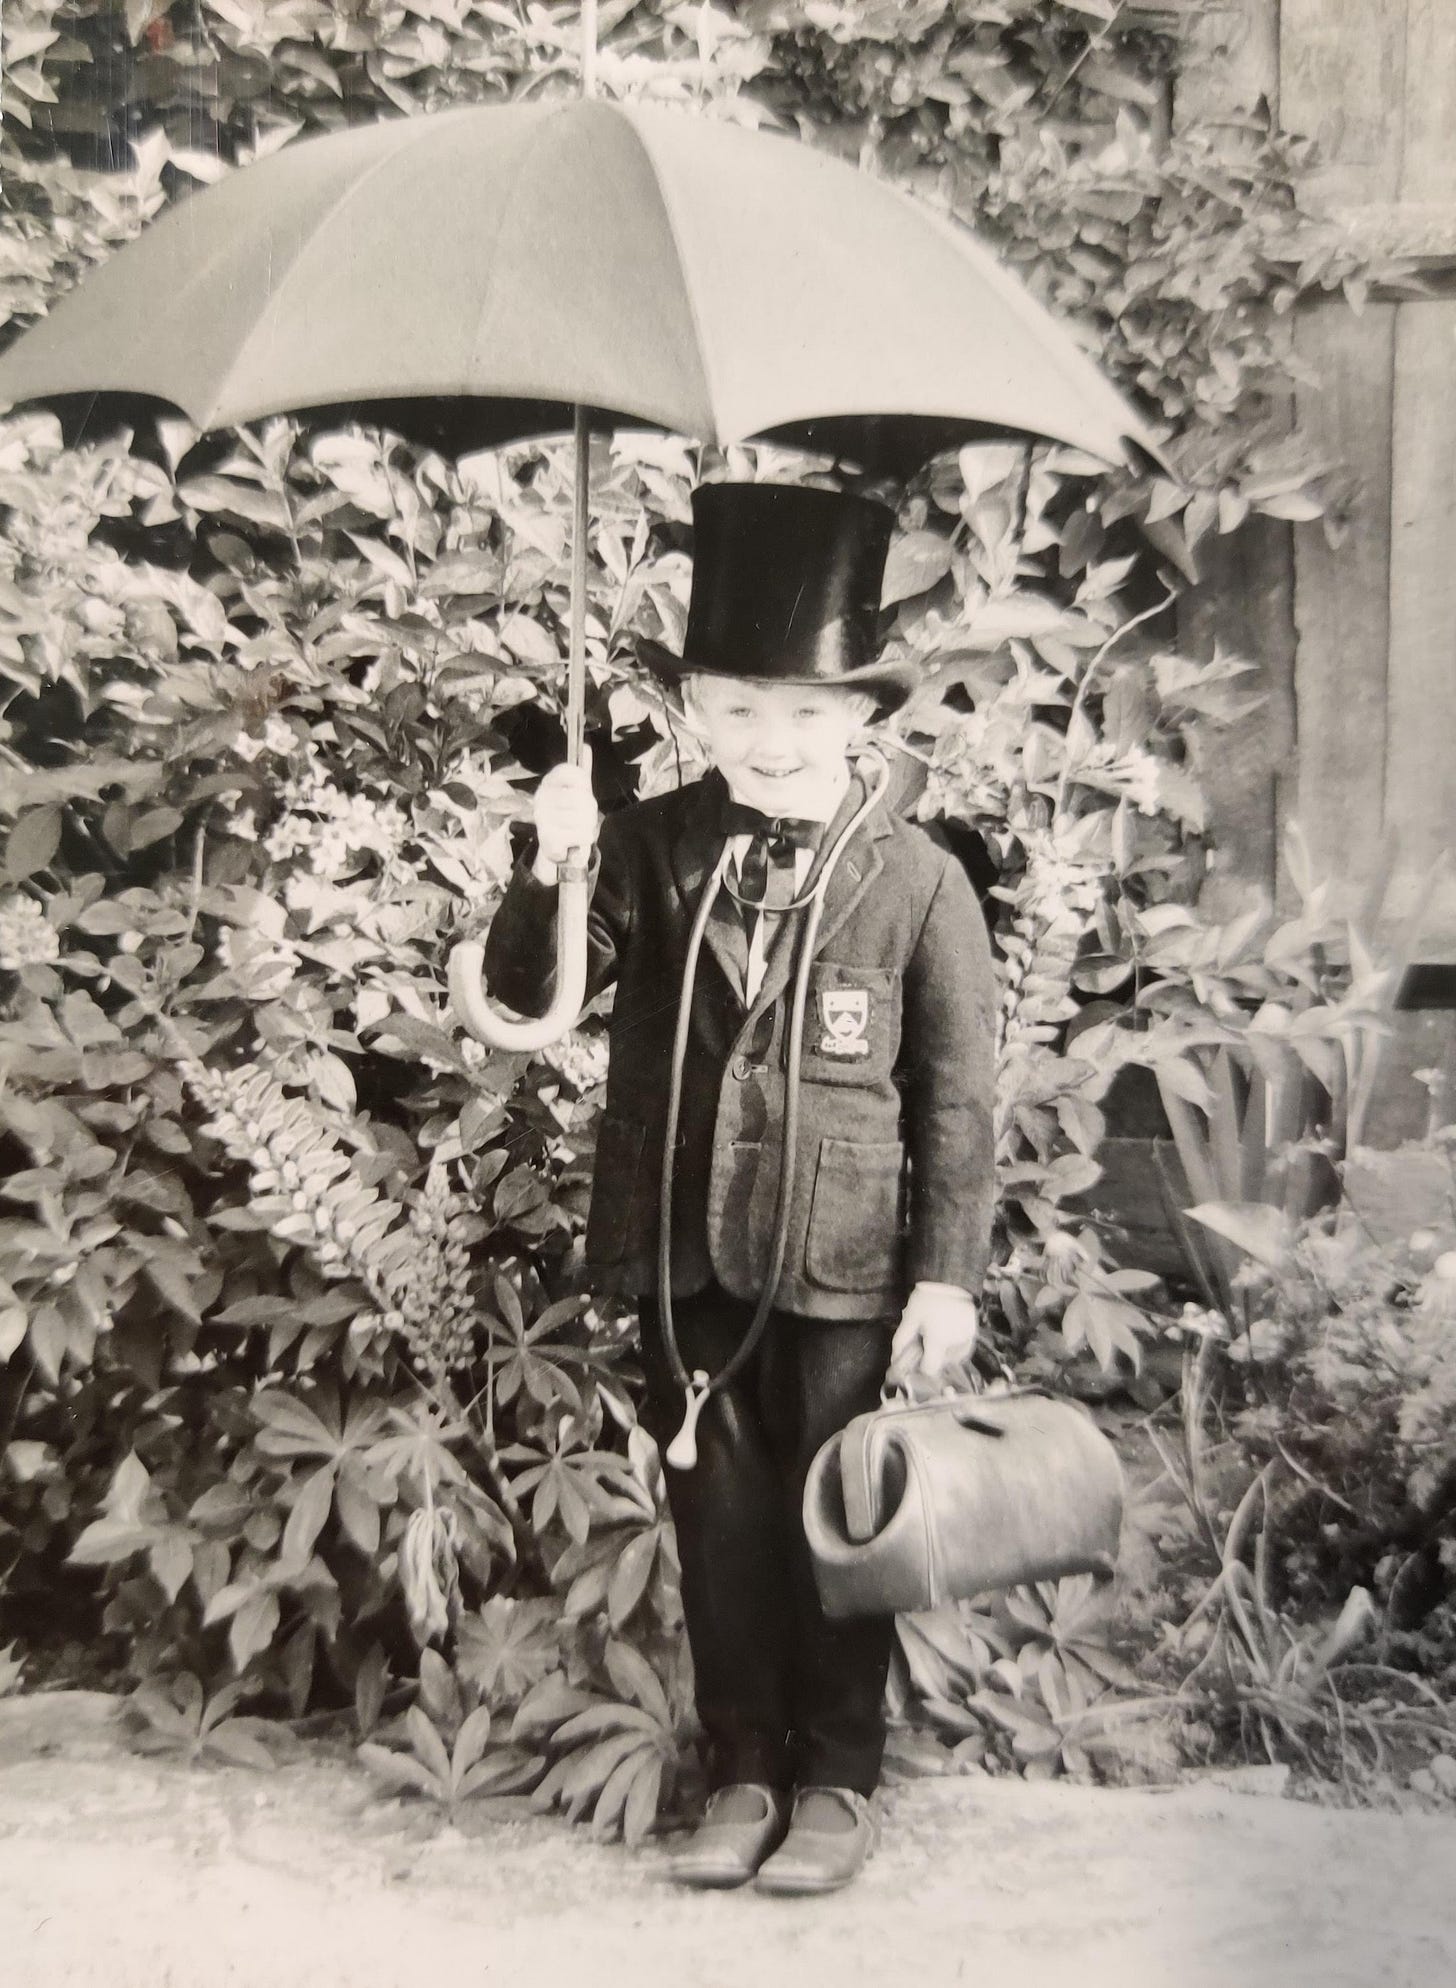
(581, 458)
(576, 661)
(588, 48)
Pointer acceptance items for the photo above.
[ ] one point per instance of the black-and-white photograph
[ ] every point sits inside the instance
(727, 993)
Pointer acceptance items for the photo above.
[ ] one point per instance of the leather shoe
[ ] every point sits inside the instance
(741, 1825)
(831, 1832)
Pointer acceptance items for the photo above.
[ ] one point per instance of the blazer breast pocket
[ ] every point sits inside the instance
(852, 1026)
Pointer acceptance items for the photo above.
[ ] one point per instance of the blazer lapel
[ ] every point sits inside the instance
(857, 868)
(694, 855)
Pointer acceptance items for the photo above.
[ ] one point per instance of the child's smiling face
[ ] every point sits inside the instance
(781, 747)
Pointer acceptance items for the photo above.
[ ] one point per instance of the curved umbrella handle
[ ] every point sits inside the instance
(467, 961)
(467, 976)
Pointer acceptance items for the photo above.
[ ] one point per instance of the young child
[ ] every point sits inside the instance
(888, 1205)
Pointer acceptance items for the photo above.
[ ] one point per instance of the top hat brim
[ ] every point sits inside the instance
(889, 684)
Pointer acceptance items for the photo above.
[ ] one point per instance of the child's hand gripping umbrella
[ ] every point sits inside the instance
(632, 264)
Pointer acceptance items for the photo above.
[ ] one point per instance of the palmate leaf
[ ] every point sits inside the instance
(311, 1508)
(440, 1693)
(950, 1717)
(928, 1674)
(427, 1745)
(178, 1716)
(574, 1485)
(599, 1720)
(507, 1771)
(612, 1754)
(1032, 1735)
(607, 1815)
(579, 1777)
(644, 1798)
(507, 1647)
(295, 1428)
(631, 1574)
(172, 1710)
(402, 1771)
(538, 1358)
(240, 1743)
(635, 1678)
(470, 1743)
(470, 1769)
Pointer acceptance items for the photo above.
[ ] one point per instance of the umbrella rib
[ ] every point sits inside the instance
(700, 343)
(534, 141)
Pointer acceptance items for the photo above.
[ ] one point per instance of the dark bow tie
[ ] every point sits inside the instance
(786, 831)
(767, 873)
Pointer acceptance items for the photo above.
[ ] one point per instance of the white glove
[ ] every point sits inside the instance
(936, 1333)
(565, 817)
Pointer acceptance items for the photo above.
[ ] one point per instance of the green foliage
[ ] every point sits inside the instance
(298, 1394)
(12, 1670)
(1350, 1364)
(1024, 1681)
(1284, 1655)
(176, 1717)
(1069, 745)
(447, 1756)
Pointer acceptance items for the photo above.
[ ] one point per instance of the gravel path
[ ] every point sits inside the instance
(119, 1872)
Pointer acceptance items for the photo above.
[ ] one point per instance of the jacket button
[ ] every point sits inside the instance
(742, 1068)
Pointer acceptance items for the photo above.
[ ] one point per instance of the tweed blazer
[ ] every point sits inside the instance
(893, 1170)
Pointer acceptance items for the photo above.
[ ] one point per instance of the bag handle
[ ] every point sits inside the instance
(859, 1446)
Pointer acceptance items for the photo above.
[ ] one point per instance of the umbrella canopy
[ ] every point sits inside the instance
(656, 266)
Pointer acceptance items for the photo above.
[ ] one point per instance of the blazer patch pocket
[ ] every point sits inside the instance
(854, 1240)
(852, 1027)
(615, 1187)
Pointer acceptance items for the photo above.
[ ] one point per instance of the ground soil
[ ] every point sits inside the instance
(148, 1873)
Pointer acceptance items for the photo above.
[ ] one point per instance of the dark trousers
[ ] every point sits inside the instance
(785, 1696)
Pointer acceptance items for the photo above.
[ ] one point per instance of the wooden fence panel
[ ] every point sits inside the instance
(1342, 81)
(1357, 739)
(1428, 156)
(1342, 593)
(1420, 735)
(1375, 684)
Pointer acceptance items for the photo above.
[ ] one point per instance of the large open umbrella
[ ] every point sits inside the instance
(661, 267)
(476, 276)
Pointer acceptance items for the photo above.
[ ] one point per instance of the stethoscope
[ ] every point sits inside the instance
(699, 1386)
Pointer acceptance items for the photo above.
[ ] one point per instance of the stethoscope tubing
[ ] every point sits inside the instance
(705, 1386)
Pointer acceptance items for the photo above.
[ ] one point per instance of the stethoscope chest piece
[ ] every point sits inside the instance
(682, 1451)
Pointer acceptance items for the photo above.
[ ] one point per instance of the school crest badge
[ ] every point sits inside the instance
(845, 1015)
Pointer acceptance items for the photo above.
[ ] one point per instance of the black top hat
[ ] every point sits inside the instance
(786, 588)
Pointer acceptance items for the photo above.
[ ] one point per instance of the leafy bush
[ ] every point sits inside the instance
(1325, 1638)
(1349, 1365)
(300, 1392)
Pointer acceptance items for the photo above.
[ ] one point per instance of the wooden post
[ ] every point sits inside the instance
(1243, 604)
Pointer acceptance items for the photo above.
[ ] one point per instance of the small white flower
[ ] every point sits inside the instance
(27, 938)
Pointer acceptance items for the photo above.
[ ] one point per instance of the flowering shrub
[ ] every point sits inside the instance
(299, 1387)
(1349, 1370)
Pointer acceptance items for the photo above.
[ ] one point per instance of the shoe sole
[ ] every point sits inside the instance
(802, 1887)
(719, 1880)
